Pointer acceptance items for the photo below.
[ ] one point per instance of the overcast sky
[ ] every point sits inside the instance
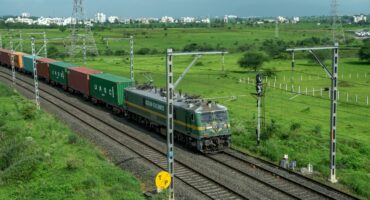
(178, 8)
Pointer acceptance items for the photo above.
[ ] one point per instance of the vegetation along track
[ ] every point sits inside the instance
(274, 181)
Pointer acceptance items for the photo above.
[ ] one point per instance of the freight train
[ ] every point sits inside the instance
(201, 125)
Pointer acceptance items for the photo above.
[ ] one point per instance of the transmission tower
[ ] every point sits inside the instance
(81, 40)
(337, 28)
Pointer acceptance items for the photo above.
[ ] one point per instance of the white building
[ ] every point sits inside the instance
(187, 19)
(167, 19)
(295, 20)
(113, 19)
(100, 18)
(226, 19)
(206, 21)
(281, 19)
(26, 15)
(359, 18)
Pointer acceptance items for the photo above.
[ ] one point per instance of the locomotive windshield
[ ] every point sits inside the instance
(217, 116)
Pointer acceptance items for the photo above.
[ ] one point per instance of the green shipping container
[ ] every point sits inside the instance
(28, 63)
(109, 88)
(59, 72)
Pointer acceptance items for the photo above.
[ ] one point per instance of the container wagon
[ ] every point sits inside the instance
(59, 73)
(109, 89)
(28, 63)
(5, 57)
(43, 68)
(78, 80)
(18, 60)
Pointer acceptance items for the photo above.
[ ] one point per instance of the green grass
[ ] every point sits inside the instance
(42, 159)
(301, 124)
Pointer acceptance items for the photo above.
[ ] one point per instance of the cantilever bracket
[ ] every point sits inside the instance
(321, 63)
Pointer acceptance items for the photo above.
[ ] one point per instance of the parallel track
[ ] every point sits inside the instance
(292, 186)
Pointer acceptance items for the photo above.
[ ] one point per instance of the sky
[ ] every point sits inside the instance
(181, 8)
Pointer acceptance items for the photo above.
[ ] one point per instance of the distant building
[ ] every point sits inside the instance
(226, 19)
(295, 20)
(359, 18)
(26, 15)
(281, 19)
(100, 18)
(113, 19)
(187, 20)
(167, 19)
(206, 21)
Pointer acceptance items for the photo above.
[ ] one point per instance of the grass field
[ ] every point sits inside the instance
(298, 124)
(42, 159)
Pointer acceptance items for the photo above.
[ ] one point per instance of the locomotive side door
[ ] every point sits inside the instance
(189, 121)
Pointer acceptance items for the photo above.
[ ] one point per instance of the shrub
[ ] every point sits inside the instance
(143, 51)
(72, 164)
(295, 126)
(28, 111)
(317, 129)
(253, 60)
(72, 139)
(21, 170)
(120, 53)
(90, 182)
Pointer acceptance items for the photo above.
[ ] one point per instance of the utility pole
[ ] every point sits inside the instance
(276, 28)
(20, 41)
(35, 79)
(170, 124)
(45, 45)
(333, 100)
(132, 58)
(1, 41)
(131, 41)
(84, 49)
(170, 89)
(12, 60)
(45, 42)
(259, 91)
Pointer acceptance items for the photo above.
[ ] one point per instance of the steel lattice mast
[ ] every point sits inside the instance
(81, 39)
(336, 23)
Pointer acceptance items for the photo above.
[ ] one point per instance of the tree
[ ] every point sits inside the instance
(253, 60)
(62, 29)
(364, 52)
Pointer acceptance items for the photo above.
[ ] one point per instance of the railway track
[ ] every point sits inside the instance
(273, 183)
(294, 184)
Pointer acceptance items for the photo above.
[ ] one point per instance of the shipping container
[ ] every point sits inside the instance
(43, 70)
(28, 63)
(18, 60)
(109, 89)
(5, 57)
(79, 78)
(59, 72)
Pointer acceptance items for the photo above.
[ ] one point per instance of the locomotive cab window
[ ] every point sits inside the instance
(221, 115)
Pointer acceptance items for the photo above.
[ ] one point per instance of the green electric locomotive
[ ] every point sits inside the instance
(198, 124)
